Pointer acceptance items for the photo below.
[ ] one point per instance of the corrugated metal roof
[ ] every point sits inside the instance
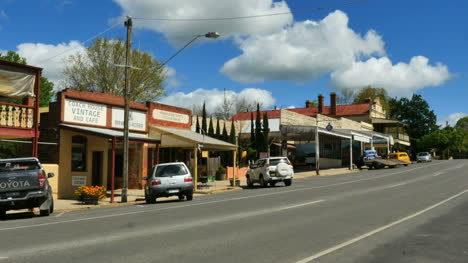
(205, 141)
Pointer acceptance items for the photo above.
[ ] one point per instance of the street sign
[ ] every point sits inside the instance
(329, 127)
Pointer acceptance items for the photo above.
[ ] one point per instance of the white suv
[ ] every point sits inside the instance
(270, 170)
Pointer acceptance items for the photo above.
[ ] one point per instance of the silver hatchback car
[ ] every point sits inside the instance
(169, 179)
(424, 157)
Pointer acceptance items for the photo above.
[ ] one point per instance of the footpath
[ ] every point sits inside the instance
(135, 197)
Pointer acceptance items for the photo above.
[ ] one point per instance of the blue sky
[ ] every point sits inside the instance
(403, 46)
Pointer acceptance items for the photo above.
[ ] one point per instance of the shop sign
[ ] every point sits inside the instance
(84, 112)
(78, 180)
(136, 119)
(170, 116)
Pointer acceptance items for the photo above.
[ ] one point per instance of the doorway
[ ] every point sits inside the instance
(97, 168)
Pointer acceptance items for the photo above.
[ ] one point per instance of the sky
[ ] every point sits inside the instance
(279, 60)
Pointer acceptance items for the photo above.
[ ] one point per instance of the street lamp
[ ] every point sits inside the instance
(128, 24)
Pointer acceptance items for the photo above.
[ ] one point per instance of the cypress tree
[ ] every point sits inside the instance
(210, 128)
(258, 131)
(203, 125)
(197, 127)
(218, 130)
(266, 130)
(232, 135)
(252, 133)
(224, 137)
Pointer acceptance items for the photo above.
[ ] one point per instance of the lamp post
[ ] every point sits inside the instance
(128, 24)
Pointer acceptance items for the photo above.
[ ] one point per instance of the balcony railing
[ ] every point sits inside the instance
(16, 116)
(400, 136)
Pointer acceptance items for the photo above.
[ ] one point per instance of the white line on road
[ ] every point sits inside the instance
(380, 229)
(59, 215)
(396, 185)
(299, 205)
(3, 258)
(214, 202)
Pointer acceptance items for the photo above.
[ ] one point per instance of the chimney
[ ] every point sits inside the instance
(308, 104)
(320, 103)
(333, 103)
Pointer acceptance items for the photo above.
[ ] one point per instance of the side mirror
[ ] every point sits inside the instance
(145, 178)
(50, 175)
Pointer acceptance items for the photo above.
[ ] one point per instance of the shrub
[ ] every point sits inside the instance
(91, 192)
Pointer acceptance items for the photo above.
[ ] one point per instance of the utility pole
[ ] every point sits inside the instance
(128, 24)
(317, 147)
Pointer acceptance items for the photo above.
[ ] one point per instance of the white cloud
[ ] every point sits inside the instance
(39, 55)
(303, 51)
(214, 98)
(172, 80)
(452, 119)
(401, 79)
(180, 31)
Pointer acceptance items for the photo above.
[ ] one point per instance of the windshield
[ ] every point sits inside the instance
(423, 154)
(171, 170)
(276, 161)
(18, 166)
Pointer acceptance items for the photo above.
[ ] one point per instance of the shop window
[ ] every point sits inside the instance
(78, 160)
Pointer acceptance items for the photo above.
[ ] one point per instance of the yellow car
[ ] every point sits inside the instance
(400, 156)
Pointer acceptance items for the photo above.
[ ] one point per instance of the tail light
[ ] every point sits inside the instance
(188, 179)
(156, 182)
(42, 180)
(267, 165)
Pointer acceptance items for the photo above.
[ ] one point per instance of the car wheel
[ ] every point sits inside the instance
(181, 197)
(45, 212)
(189, 197)
(288, 182)
(249, 182)
(52, 206)
(150, 199)
(406, 164)
(272, 184)
(2, 213)
(263, 183)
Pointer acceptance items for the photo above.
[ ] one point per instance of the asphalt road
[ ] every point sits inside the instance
(409, 214)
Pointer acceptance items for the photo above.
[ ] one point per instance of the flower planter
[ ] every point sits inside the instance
(90, 200)
(232, 182)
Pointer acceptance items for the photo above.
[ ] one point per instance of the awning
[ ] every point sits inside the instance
(357, 135)
(285, 129)
(184, 138)
(108, 133)
(402, 142)
(289, 146)
(376, 135)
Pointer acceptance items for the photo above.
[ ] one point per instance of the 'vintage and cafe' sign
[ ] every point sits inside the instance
(89, 113)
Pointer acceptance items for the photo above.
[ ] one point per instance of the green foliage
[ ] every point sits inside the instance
(313, 103)
(416, 113)
(266, 131)
(232, 135)
(372, 93)
(258, 131)
(203, 126)
(218, 130)
(444, 141)
(224, 136)
(96, 71)
(47, 87)
(462, 124)
(197, 127)
(210, 128)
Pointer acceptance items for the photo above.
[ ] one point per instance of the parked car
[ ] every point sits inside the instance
(169, 179)
(270, 171)
(401, 156)
(24, 185)
(424, 157)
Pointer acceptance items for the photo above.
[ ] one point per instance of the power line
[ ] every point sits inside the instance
(84, 42)
(252, 16)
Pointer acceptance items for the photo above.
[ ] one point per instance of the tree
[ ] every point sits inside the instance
(96, 70)
(258, 131)
(252, 129)
(47, 87)
(203, 121)
(312, 103)
(197, 127)
(416, 113)
(218, 130)
(225, 137)
(447, 141)
(372, 93)
(232, 139)
(346, 97)
(462, 124)
(266, 131)
(211, 128)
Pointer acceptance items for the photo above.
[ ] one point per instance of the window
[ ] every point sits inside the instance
(171, 170)
(78, 158)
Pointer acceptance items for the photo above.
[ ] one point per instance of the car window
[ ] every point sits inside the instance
(18, 166)
(423, 154)
(170, 170)
(392, 156)
(261, 162)
(404, 155)
(275, 162)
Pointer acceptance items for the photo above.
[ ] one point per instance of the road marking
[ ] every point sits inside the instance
(140, 206)
(59, 215)
(211, 202)
(299, 205)
(396, 185)
(438, 173)
(380, 229)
